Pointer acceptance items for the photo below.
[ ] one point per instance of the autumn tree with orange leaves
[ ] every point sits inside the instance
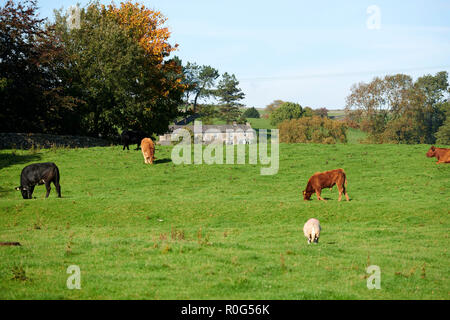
(120, 69)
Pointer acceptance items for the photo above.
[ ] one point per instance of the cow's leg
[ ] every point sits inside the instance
(343, 190)
(47, 186)
(58, 189)
(318, 196)
(145, 158)
(30, 192)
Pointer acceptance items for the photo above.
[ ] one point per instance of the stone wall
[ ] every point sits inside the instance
(39, 140)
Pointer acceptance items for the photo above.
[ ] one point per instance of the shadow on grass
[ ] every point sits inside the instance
(166, 160)
(10, 159)
(332, 199)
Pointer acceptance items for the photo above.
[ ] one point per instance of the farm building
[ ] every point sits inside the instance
(228, 134)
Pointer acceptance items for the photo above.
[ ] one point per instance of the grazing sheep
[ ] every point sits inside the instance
(311, 230)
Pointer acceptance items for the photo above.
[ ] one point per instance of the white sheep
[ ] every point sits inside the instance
(311, 230)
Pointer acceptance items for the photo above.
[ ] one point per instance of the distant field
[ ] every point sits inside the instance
(260, 123)
(224, 231)
(336, 114)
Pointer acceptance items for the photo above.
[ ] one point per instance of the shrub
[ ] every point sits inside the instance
(312, 130)
(251, 113)
(287, 111)
(443, 134)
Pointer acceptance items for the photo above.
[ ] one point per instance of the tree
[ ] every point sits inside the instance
(274, 105)
(251, 113)
(443, 134)
(208, 113)
(119, 69)
(432, 115)
(287, 111)
(396, 109)
(321, 112)
(32, 95)
(229, 94)
(199, 80)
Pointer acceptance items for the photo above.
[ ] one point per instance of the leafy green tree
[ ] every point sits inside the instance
(321, 112)
(32, 96)
(287, 111)
(396, 109)
(274, 105)
(120, 83)
(443, 133)
(251, 113)
(229, 95)
(200, 81)
(431, 115)
(208, 113)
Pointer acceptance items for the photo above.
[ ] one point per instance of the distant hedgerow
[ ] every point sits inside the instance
(313, 130)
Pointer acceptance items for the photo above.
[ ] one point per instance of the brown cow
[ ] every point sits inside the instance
(327, 179)
(441, 154)
(148, 150)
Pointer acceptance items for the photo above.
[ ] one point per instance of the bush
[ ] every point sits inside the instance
(287, 111)
(443, 134)
(251, 113)
(313, 130)
(352, 123)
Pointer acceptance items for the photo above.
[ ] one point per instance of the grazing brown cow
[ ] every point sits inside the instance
(327, 179)
(441, 154)
(148, 150)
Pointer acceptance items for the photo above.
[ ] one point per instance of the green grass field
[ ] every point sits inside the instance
(168, 231)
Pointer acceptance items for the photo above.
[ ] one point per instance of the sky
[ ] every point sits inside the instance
(308, 52)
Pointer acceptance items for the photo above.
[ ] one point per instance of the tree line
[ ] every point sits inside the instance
(396, 109)
(111, 72)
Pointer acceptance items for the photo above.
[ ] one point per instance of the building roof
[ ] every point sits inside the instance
(220, 127)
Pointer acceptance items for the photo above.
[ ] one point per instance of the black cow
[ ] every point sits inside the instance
(130, 137)
(37, 174)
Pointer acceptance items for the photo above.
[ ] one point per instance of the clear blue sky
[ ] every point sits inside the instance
(309, 52)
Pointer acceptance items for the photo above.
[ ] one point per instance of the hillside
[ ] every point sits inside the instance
(168, 231)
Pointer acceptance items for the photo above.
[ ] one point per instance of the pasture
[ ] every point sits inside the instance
(168, 231)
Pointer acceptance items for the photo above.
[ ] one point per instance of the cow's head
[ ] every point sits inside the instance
(306, 195)
(432, 152)
(25, 192)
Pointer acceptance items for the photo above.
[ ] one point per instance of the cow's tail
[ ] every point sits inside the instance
(57, 175)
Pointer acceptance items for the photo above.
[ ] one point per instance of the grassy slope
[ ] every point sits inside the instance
(224, 231)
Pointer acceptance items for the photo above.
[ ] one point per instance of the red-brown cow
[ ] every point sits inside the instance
(441, 154)
(327, 179)
(148, 150)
